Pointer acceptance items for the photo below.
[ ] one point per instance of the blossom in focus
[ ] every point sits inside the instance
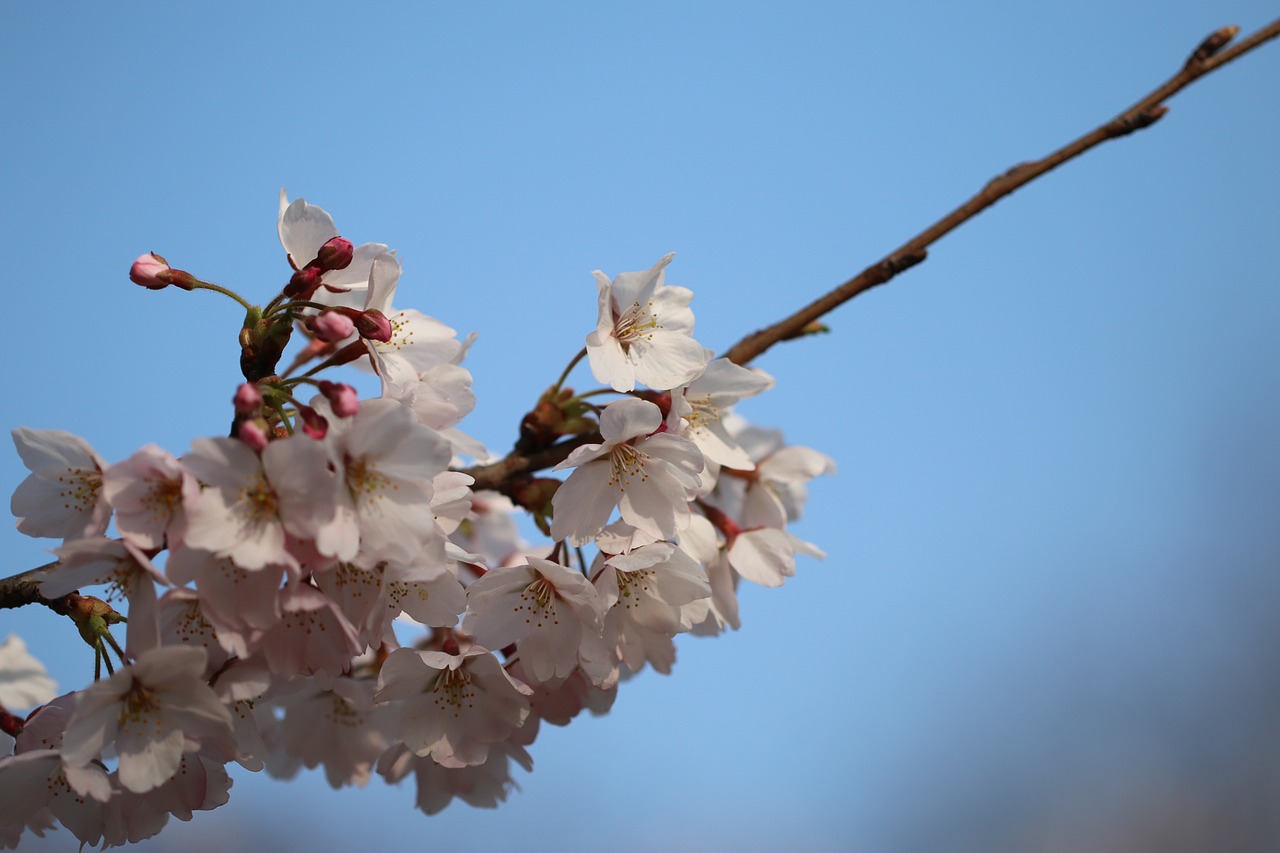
(152, 711)
(386, 460)
(62, 497)
(304, 230)
(644, 332)
(704, 403)
(543, 606)
(251, 501)
(648, 476)
(146, 493)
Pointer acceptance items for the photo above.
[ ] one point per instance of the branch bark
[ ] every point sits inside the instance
(23, 589)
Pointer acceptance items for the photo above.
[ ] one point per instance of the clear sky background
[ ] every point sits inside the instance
(1048, 613)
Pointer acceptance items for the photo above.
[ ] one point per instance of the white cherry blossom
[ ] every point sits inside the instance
(62, 497)
(649, 477)
(146, 491)
(644, 331)
(543, 606)
(303, 229)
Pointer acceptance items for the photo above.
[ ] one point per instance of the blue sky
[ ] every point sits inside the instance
(1051, 538)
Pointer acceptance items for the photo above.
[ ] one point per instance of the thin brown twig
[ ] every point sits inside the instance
(1207, 57)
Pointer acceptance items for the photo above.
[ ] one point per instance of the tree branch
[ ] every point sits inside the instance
(1207, 57)
(23, 589)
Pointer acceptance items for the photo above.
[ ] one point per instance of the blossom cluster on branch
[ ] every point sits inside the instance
(324, 587)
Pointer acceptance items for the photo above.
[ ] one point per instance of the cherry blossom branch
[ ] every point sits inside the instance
(1208, 57)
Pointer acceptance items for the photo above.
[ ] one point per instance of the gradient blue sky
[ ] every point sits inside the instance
(1046, 610)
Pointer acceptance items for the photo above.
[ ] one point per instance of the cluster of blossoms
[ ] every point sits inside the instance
(336, 591)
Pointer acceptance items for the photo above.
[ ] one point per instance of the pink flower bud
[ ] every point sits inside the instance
(336, 254)
(148, 270)
(252, 434)
(248, 398)
(313, 423)
(153, 272)
(332, 326)
(344, 398)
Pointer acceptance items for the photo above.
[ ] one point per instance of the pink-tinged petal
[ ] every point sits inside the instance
(681, 453)
(610, 363)
(384, 275)
(62, 496)
(604, 307)
(668, 359)
(660, 506)
(495, 615)
(145, 760)
(763, 556)
(629, 418)
(580, 456)
(52, 450)
(303, 229)
(629, 287)
(24, 780)
(583, 503)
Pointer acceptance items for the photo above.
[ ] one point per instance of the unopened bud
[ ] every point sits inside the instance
(342, 397)
(314, 424)
(336, 254)
(372, 324)
(154, 273)
(303, 283)
(331, 326)
(252, 434)
(248, 398)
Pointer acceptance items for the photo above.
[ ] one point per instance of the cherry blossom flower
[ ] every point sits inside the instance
(644, 332)
(62, 497)
(152, 711)
(312, 635)
(304, 229)
(543, 606)
(386, 462)
(251, 501)
(146, 491)
(654, 586)
(703, 403)
(648, 476)
(454, 707)
(418, 342)
(239, 603)
(338, 727)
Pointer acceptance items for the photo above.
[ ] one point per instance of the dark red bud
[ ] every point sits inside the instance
(336, 254)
